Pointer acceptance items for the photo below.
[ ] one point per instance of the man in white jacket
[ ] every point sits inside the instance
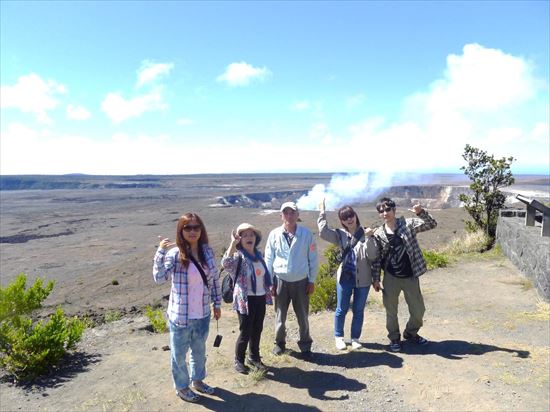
(291, 256)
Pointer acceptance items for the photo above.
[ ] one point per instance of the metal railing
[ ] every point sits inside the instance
(531, 216)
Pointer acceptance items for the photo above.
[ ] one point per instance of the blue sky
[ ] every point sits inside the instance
(193, 87)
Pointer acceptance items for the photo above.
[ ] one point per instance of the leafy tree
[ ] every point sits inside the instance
(488, 175)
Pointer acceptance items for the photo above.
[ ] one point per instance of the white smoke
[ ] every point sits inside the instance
(347, 189)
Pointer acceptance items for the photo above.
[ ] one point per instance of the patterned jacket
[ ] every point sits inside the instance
(240, 292)
(166, 265)
(406, 229)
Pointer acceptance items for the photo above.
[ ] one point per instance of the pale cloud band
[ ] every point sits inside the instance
(242, 73)
(481, 98)
(32, 94)
(119, 109)
(78, 112)
(149, 72)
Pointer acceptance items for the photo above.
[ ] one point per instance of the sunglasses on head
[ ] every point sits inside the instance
(189, 228)
(385, 209)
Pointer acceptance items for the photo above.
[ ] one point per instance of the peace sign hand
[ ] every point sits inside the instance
(165, 243)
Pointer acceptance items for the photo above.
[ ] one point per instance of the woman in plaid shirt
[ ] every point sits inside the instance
(195, 285)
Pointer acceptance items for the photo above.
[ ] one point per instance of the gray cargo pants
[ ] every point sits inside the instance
(294, 292)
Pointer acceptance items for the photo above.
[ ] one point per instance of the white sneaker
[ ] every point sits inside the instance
(340, 344)
(355, 344)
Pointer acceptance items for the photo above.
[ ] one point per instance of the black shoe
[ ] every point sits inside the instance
(417, 339)
(257, 364)
(278, 350)
(240, 367)
(395, 345)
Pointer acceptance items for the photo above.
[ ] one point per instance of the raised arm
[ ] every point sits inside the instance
(423, 222)
(163, 262)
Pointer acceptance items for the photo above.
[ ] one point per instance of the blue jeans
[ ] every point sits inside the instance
(344, 291)
(181, 340)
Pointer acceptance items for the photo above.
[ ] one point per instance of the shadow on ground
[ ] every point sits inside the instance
(225, 400)
(355, 359)
(450, 349)
(72, 365)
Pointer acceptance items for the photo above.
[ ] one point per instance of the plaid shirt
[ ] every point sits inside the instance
(166, 265)
(406, 229)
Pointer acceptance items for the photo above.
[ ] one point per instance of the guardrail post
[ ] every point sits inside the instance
(530, 216)
(546, 225)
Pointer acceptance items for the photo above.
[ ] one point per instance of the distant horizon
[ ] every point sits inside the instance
(542, 175)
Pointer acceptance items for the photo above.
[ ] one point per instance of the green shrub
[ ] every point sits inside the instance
(29, 349)
(471, 242)
(435, 259)
(324, 296)
(112, 315)
(156, 317)
(16, 300)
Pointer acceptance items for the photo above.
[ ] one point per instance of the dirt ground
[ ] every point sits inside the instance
(488, 351)
(490, 341)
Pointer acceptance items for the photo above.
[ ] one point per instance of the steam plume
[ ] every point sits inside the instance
(347, 189)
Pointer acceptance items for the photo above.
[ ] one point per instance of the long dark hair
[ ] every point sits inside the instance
(183, 245)
(345, 212)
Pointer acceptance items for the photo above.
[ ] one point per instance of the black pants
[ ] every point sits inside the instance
(251, 327)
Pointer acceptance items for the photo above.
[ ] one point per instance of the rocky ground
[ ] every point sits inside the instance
(489, 351)
(489, 336)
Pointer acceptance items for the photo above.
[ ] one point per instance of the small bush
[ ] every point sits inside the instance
(156, 317)
(472, 242)
(324, 296)
(29, 349)
(435, 259)
(112, 315)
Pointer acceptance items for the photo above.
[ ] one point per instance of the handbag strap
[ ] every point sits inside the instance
(201, 270)
(353, 241)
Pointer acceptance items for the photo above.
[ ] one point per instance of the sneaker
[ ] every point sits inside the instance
(340, 344)
(257, 364)
(240, 367)
(278, 350)
(355, 344)
(395, 345)
(417, 339)
(188, 395)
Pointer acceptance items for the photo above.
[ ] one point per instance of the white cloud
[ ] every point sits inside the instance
(241, 74)
(32, 94)
(300, 106)
(184, 121)
(478, 100)
(482, 79)
(149, 72)
(119, 109)
(77, 112)
(356, 100)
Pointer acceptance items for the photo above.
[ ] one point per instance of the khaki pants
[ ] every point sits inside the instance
(413, 296)
(294, 292)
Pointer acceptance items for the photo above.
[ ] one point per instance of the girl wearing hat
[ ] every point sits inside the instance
(244, 262)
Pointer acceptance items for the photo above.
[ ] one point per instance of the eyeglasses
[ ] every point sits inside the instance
(385, 209)
(189, 228)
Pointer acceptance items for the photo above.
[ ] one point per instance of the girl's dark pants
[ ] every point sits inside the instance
(251, 327)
